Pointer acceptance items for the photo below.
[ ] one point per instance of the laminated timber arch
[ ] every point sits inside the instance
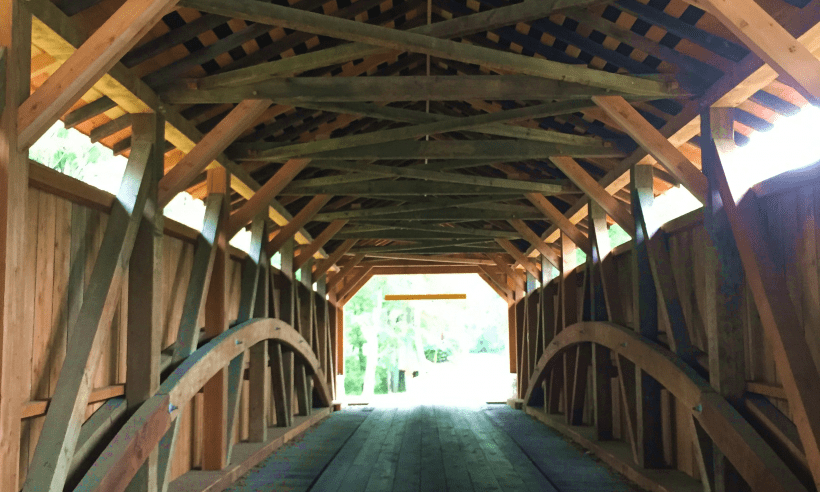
(759, 465)
(121, 459)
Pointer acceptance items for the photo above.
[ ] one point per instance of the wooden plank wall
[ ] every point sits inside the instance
(62, 241)
(793, 236)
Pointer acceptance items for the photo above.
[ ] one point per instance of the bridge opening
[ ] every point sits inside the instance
(453, 351)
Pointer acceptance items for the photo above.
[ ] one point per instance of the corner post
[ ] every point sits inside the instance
(15, 35)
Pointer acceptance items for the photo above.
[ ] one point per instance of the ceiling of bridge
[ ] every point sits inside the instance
(439, 132)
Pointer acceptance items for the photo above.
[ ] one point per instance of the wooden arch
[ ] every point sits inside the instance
(127, 451)
(754, 459)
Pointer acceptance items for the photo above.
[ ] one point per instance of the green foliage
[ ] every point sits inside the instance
(617, 235)
(355, 361)
(437, 355)
(410, 332)
(69, 152)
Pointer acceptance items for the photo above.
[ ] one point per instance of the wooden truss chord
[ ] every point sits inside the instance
(656, 144)
(596, 192)
(265, 195)
(443, 177)
(322, 267)
(299, 220)
(315, 92)
(533, 238)
(326, 235)
(179, 177)
(556, 217)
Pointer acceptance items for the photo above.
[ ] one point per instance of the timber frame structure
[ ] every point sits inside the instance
(374, 137)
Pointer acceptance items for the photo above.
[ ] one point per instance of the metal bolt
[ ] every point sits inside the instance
(239, 342)
(171, 408)
(698, 408)
(623, 344)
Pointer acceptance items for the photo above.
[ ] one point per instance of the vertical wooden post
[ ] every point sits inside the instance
(725, 282)
(645, 306)
(569, 316)
(15, 38)
(513, 341)
(145, 301)
(259, 384)
(338, 343)
(289, 315)
(215, 432)
(601, 356)
(304, 384)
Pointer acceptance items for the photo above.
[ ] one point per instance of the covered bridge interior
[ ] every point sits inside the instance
(367, 137)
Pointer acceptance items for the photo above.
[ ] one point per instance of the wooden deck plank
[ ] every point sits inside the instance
(431, 448)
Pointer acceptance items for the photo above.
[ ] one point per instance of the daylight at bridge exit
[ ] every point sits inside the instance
(409, 245)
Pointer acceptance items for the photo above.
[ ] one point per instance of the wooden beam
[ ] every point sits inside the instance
(655, 143)
(725, 288)
(536, 241)
(405, 188)
(355, 281)
(320, 240)
(262, 198)
(764, 35)
(3, 58)
(280, 152)
(215, 401)
(596, 192)
(322, 267)
(103, 49)
(519, 257)
(390, 113)
(347, 269)
(251, 272)
(15, 43)
(515, 277)
(443, 177)
(322, 25)
(315, 92)
(424, 297)
(355, 288)
(498, 150)
(645, 305)
(434, 204)
(54, 453)
(299, 220)
(229, 128)
(145, 301)
(556, 217)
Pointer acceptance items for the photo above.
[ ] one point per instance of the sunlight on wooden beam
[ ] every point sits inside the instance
(424, 297)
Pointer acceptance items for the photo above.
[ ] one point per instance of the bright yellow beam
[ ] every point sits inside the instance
(424, 297)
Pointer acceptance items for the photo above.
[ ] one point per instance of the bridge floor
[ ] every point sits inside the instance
(430, 448)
